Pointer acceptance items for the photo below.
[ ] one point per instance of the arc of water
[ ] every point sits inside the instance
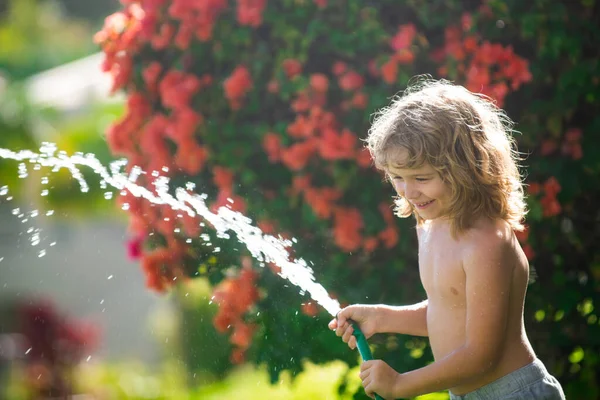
(265, 248)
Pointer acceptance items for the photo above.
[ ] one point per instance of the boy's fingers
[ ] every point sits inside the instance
(347, 334)
(352, 342)
(333, 324)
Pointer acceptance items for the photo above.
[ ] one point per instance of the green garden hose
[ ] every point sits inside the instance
(363, 348)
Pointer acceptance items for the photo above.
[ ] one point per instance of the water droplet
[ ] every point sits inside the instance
(102, 301)
(44, 193)
(53, 244)
(108, 195)
(15, 211)
(49, 212)
(45, 180)
(88, 358)
(3, 190)
(110, 277)
(125, 206)
(1, 258)
(22, 171)
(42, 253)
(28, 350)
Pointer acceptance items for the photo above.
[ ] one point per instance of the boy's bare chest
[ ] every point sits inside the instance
(440, 268)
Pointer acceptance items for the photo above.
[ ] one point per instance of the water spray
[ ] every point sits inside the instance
(264, 248)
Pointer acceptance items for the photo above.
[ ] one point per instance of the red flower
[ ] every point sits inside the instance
(551, 207)
(339, 68)
(370, 244)
(222, 177)
(163, 38)
(151, 74)
(250, 12)
(242, 335)
(272, 146)
(237, 85)
(389, 236)
(238, 356)
(347, 225)
(226, 198)
(300, 183)
(534, 188)
(334, 146)
(183, 125)
(552, 187)
(310, 309)
(291, 67)
(190, 156)
(266, 226)
(351, 80)
(322, 200)
(177, 88)
(297, 155)
(363, 158)
(360, 100)
(404, 57)
(389, 71)
(302, 127)
(319, 82)
(404, 37)
(134, 247)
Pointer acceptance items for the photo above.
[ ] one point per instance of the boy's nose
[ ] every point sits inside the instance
(411, 193)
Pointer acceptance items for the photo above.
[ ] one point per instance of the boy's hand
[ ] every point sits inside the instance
(366, 316)
(378, 377)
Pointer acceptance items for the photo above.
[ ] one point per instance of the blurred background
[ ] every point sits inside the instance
(103, 296)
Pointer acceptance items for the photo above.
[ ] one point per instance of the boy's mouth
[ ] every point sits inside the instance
(421, 206)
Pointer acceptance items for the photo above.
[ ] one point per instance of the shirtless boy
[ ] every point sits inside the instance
(450, 158)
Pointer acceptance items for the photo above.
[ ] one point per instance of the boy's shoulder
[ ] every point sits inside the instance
(489, 239)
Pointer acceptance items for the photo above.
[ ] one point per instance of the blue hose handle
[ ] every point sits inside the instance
(363, 348)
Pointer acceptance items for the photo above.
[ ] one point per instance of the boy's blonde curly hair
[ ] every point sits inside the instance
(465, 138)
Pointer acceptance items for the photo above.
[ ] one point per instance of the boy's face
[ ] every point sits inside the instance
(423, 187)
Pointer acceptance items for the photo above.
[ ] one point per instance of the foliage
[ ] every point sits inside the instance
(132, 381)
(35, 36)
(265, 102)
(16, 127)
(47, 348)
(82, 132)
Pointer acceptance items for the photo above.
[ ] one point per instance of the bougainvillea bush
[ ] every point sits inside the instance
(263, 105)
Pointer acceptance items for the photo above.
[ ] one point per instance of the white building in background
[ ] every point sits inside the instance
(72, 86)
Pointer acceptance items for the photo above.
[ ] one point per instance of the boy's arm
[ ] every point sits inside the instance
(406, 320)
(488, 276)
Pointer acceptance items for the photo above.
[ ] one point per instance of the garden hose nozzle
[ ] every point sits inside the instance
(363, 348)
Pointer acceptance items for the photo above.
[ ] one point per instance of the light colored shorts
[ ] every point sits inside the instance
(530, 382)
